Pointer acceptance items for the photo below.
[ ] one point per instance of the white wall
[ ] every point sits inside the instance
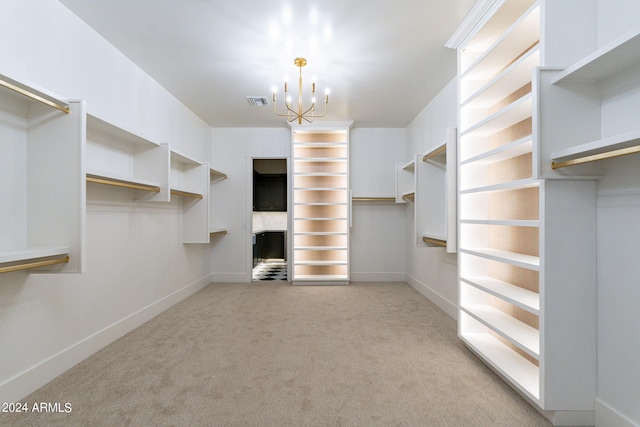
(618, 333)
(137, 265)
(378, 229)
(430, 270)
(377, 244)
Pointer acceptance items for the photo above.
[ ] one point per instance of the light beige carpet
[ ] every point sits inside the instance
(270, 354)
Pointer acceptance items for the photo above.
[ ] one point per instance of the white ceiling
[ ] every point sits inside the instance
(383, 60)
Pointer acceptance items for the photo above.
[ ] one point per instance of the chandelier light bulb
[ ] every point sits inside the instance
(300, 113)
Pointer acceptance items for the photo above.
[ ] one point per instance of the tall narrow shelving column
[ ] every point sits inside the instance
(526, 283)
(321, 206)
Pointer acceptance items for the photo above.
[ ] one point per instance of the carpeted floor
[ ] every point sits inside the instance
(271, 354)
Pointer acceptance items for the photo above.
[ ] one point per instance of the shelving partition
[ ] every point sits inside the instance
(321, 206)
(436, 185)
(525, 293)
(41, 180)
(215, 178)
(120, 158)
(190, 181)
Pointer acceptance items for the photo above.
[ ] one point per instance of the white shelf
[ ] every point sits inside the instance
(321, 159)
(320, 174)
(320, 262)
(321, 204)
(99, 127)
(214, 231)
(504, 152)
(522, 34)
(524, 374)
(409, 166)
(320, 144)
(525, 299)
(522, 335)
(438, 155)
(318, 188)
(17, 255)
(513, 258)
(217, 175)
(123, 181)
(511, 78)
(513, 113)
(303, 218)
(320, 248)
(321, 277)
(505, 186)
(320, 233)
(605, 62)
(507, 222)
(599, 147)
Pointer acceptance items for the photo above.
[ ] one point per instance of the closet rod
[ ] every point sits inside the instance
(34, 264)
(434, 152)
(596, 157)
(432, 241)
(118, 183)
(186, 194)
(374, 199)
(34, 96)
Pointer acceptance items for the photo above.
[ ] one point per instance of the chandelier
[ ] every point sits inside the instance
(301, 114)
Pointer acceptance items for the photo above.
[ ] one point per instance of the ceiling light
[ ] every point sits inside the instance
(309, 114)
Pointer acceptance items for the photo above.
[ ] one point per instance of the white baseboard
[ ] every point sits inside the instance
(376, 277)
(37, 376)
(607, 416)
(229, 278)
(444, 304)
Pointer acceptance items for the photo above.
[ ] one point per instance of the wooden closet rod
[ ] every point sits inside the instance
(34, 264)
(432, 241)
(34, 96)
(434, 153)
(596, 157)
(186, 194)
(118, 183)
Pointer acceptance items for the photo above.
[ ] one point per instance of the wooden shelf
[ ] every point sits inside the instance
(522, 335)
(513, 113)
(509, 46)
(320, 262)
(609, 60)
(374, 199)
(506, 222)
(217, 175)
(518, 370)
(25, 259)
(33, 94)
(511, 78)
(526, 300)
(614, 146)
(434, 241)
(409, 197)
(519, 260)
(504, 152)
(184, 193)
(437, 155)
(107, 179)
(505, 186)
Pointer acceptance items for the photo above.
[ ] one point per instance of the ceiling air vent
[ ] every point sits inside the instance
(257, 101)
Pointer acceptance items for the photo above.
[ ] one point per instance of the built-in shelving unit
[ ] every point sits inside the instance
(612, 64)
(42, 216)
(321, 206)
(524, 294)
(123, 159)
(436, 186)
(405, 182)
(215, 178)
(190, 181)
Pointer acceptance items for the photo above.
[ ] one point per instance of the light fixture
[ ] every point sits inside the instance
(309, 114)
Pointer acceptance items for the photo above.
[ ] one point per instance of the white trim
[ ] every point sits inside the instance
(607, 416)
(441, 302)
(475, 19)
(27, 382)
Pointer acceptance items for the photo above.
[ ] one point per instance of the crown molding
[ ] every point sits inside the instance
(475, 19)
